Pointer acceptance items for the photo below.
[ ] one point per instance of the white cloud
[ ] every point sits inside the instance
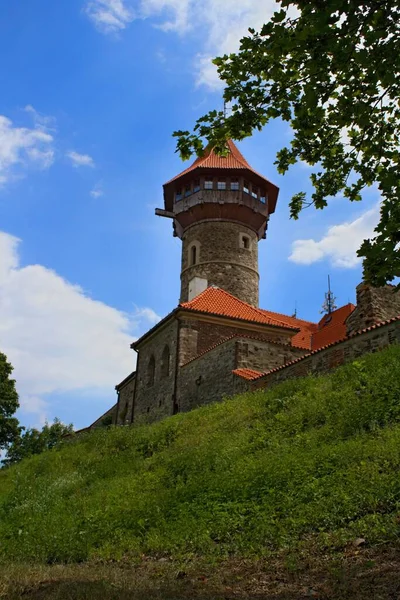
(43, 122)
(97, 191)
(80, 160)
(145, 314)
(219, 24)
(22, 148)
(109, 16)
(58, 338)
(340, 243)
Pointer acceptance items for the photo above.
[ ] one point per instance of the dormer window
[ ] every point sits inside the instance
(188, 190)
(254, 191)
(178, 195)
(246, 187)
(234, 185)
(208, 184)
(196, 186)
(222, 184)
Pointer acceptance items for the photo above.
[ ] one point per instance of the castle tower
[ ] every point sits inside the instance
(220, 209)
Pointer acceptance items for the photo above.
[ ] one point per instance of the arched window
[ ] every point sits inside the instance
(193, 256)
(151, 370)
(165, 361)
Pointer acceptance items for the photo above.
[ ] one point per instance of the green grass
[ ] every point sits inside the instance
(316, 458)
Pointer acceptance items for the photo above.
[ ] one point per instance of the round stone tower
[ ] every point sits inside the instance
(220, 209)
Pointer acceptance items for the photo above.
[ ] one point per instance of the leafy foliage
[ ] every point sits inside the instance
(317, 457)
(332, 70)
(33, 441)
(9, 427)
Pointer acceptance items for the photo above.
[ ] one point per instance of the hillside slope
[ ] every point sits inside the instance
(313, 458)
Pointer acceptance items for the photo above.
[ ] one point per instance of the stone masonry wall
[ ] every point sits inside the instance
(125, 402)
(209, 378)
(221, 259)
(264, 356)
(198, 336)
(334, 356)
(153, 402)
(373, 306)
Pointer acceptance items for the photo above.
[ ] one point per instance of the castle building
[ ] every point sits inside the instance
(218, 341)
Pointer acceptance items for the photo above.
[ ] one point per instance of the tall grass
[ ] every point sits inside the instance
(317, 456)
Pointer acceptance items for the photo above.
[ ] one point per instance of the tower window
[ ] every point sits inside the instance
(188, 190)
(222, 184)
(151, 370)
(244, 241)
(234, 185)
(246, 188)
(196, 185)
(178, 195)
(254, 191)
(193, 255)
(262, 197)
(208, 184)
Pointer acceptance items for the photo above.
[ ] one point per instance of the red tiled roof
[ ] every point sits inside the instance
(211, 160)
(216, 301)
(307, 328)
(249, 374)
(332, 327)
(338, 341)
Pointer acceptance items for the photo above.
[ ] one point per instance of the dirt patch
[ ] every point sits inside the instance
(357, 574)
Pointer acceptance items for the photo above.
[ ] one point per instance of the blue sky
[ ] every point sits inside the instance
(91, 93)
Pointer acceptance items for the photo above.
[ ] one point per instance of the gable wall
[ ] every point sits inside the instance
(156, 401)
(209, 378)
(198, 336)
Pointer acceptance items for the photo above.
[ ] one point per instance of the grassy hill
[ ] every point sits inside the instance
(311, 462)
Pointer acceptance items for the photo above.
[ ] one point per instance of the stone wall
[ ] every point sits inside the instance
(126, 393)
(208, 378)
(221, 259)
(373, 306)
(325, 360)
(198, 336)
(264, 356)
(156, 400)
(107, 418)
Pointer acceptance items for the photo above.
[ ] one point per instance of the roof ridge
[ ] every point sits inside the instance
(258, 310)
(274, 312)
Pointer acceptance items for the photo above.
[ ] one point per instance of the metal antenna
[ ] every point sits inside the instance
(294, 315)
(329, 305)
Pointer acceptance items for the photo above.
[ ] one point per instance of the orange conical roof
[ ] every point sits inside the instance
(210, 160)
(233, 161)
